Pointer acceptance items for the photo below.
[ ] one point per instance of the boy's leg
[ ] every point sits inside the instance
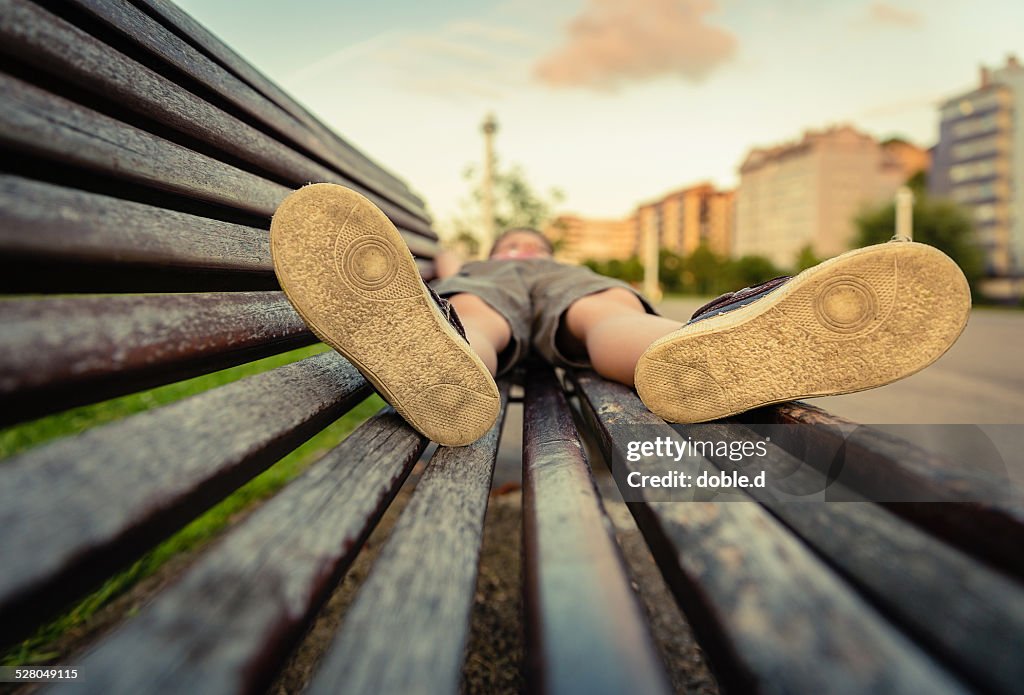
(348, 273)
(493, 305)
(487, 331)
(615, 329)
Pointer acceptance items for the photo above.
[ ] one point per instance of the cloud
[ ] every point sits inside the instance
(615, 41)
(889, 15)
(346, 55)
(460, 60)
(426, 47)
(493, 33)
(895, 108)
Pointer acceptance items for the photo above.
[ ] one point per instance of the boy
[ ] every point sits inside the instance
(860, 320)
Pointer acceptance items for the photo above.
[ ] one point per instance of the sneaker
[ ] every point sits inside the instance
(857, 321)
(350, 276)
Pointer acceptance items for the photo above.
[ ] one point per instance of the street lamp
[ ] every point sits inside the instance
(489, 128)
(904, 214)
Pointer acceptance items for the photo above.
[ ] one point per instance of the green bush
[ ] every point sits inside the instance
(703, 272)
(940, 223)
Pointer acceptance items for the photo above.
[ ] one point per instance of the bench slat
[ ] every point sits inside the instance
(199, 36)
(901, 568)
(48, 222)
(585, 630)
(150, 35)
(51, 43)
(39, 123)
(55, 239)
(62, 352)
(227, 625)
(74, 511)
(421, 586)
(743, 581)
(982, 516)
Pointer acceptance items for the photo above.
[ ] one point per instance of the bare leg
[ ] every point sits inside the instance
(616, 330)
(487, 330)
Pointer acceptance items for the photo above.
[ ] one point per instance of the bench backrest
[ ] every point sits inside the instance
(142, 161)
(144, 157)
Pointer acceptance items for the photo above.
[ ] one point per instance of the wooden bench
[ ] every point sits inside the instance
(141, 162)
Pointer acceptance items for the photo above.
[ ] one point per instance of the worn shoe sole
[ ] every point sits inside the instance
(860, 320)
(349, 274)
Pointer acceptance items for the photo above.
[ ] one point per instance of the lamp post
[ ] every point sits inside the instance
(649, 253)
(489, 128)
(905, 214)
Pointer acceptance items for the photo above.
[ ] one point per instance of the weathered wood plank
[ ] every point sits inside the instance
(407, 629)
(199, 36)
(978, 513)
(421, 247)
(903, 570)
(585, 629)
(48, 222)
(35, 122)
(55, 239)
(145, 32)
(61, 352)
(52, 44)
(771, 616)
(230, 621)
(74, 511)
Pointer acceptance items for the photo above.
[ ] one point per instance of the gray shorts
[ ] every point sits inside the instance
(533, 296)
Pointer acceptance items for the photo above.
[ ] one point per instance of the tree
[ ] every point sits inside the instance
(940, 223)
(466, 242)
(516, 204)
(671, 271)
(748, 271)
(629, 270)
(703, 272)
(805, 259)
(706, 271)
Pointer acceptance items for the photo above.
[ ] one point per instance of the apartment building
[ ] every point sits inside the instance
(808, 192)
(684, 219)
(579, 239)
(979, 163)
(680, 220)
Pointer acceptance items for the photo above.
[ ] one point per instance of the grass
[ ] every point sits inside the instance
(24, 436)
(39, 648)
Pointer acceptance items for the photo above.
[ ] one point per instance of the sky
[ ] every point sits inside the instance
(613, 102)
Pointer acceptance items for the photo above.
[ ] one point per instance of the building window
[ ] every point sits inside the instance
(975, 126)
(972, 170)
(974, 148)
(974, 191)
(985, 213)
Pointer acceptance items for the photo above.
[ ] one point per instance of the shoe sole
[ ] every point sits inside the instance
(860, 320)
(350, 276)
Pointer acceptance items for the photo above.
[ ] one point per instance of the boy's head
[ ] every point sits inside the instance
(521, 242)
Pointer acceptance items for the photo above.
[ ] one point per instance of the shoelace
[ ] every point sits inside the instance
(448, 311)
